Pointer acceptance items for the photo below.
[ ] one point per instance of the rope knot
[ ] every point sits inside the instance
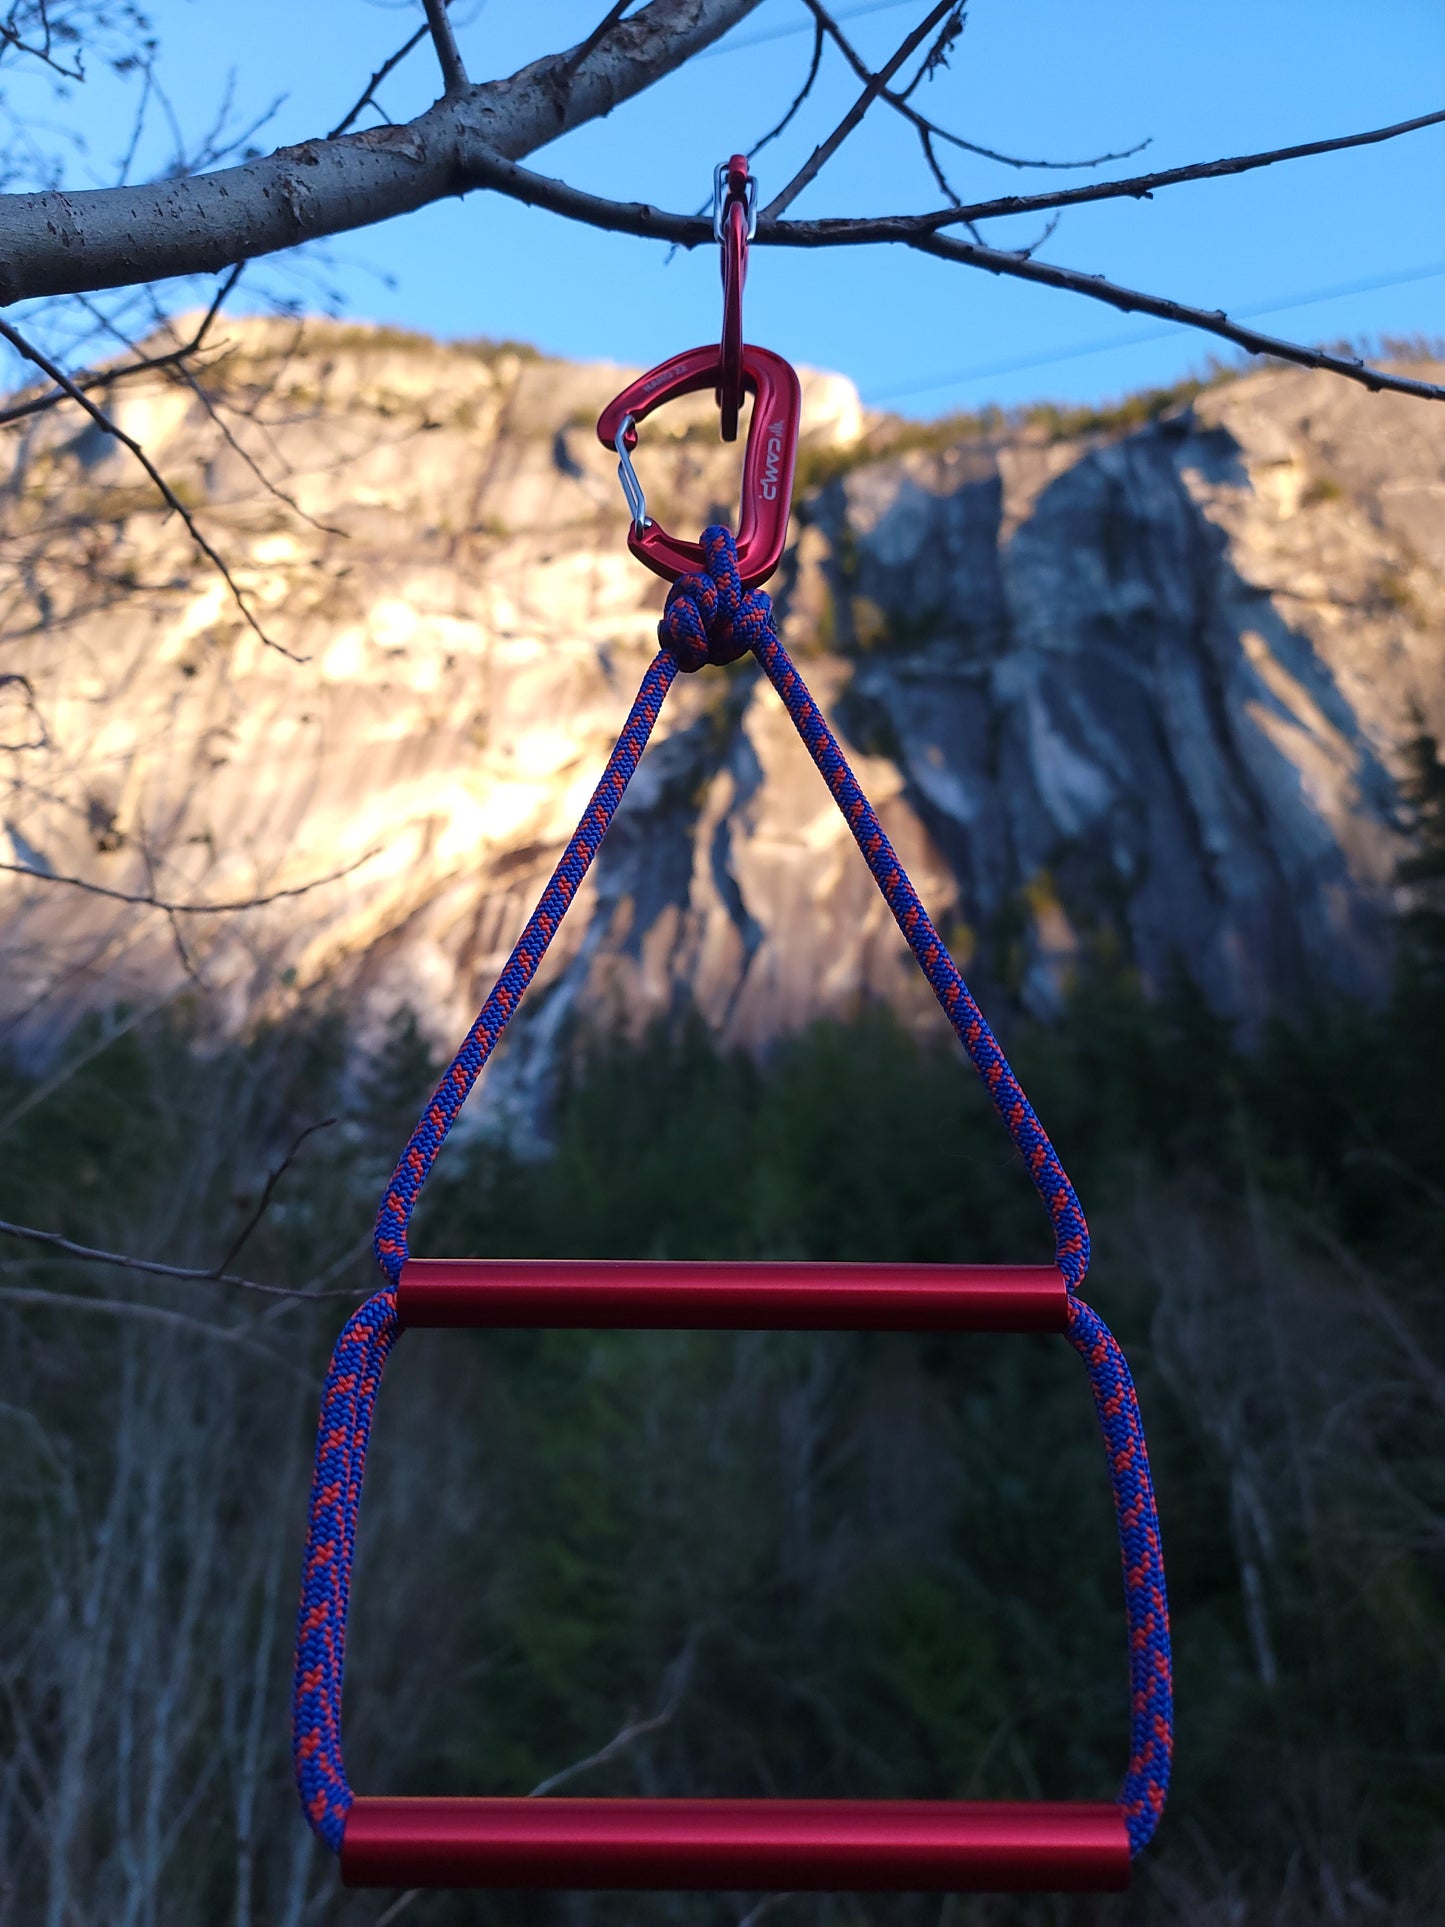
(711, 617)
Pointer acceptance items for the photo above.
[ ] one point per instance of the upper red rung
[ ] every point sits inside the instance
(662, 1294)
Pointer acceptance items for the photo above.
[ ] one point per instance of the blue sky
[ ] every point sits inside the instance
(1042, 78)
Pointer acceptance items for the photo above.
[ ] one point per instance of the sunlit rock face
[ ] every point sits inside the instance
(1144, 691)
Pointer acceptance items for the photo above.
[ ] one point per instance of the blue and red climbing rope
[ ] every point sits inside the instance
(711, 618)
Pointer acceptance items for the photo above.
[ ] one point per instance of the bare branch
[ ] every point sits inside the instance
(69, 243)
(769, 1904)
(604, 26)
(147, 364)
(58, 375)
(454, 73)
(153, 1268)
(874, 86)
(112, 1033)
(366, 97)
(268, 1191)
(190, 909)
(1214, 322)
(72, 1301)
(10, 37)
(1140, 187)
(176, 365)
(929, 129)
(802, 94)
(687, 230)
(678, 1676)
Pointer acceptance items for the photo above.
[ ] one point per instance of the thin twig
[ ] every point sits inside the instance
(47, 1087)
(31, 709)
(802, 94)
(930, 128)
(185, 375)
(388, 66)
(154, 1314)
(678, 1674)
(1141, 187)
(153, 1268)
(619, 1743)
(454, 72)
(149, 364)
(1214, 322)
(11, 38)
(191, 909)
(767, 1905)
(825, 151)
(686, 230)
(594, 39)
(28, 349)
(268, 1192)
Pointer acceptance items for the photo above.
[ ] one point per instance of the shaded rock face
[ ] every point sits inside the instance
(1102, 708)
(1147, 691)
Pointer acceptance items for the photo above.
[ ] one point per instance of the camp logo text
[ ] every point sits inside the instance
(772, 463)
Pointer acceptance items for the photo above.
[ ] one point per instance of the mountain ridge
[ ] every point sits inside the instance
(1145, 692)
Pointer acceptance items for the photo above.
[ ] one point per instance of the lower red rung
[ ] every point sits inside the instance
(900, 1846)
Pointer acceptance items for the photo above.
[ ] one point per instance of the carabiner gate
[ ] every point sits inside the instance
(768, 460)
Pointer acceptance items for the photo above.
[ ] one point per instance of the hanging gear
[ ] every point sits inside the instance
(714, 614)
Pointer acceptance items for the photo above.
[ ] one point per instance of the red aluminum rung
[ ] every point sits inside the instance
(898, 1846)
(549, 1293)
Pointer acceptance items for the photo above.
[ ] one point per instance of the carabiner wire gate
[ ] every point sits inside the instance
(624, 441)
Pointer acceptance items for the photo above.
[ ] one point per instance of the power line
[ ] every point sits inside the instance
(1282, 304)
(806, 26)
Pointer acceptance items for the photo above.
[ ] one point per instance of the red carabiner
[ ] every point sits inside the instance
(736, 203)
(771, 451)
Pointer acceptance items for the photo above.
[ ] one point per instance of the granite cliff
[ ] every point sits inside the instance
(1145, 683)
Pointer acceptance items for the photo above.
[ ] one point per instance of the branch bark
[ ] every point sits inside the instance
(23, 346)
(153, 1268)
(69, 243)
(152, 902)
(688, 230)
(454, 73)
(874, 85)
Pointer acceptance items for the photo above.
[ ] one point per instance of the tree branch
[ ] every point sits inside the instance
(688, 230)
(147, 364)
(27, 348)
(152, 1267)
(1214, 322)
(1141, 186)
(268, 1190)
(454, 73)
(72, 1301)
(604, 26)
(809, 79)
(929, 129)
(366, 98)
(189, 909)
(69, 243)
(873, 87)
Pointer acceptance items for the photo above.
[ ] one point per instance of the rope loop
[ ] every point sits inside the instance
(711, 618)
